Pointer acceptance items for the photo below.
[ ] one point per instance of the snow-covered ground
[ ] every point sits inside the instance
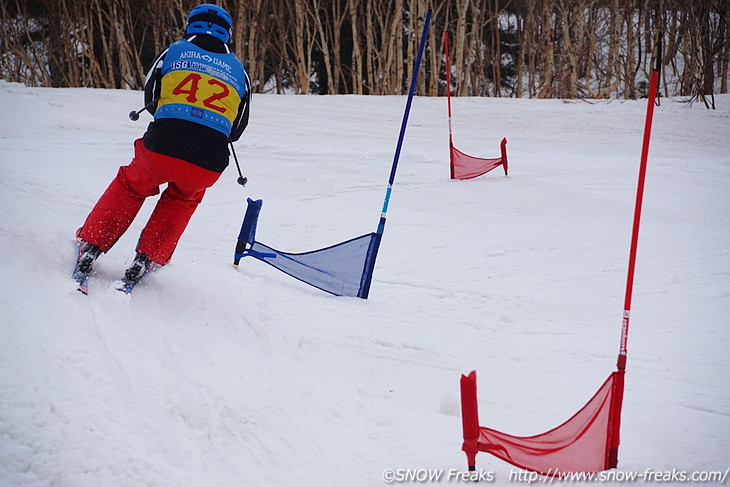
(208, 376)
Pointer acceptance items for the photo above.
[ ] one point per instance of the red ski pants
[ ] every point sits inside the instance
(122, 200)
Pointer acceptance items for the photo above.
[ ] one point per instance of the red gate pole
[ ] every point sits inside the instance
(617, 396)
(653, 86)
(470, 418)
(448, 98)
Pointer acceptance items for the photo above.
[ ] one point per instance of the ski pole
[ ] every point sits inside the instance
(242, 180)
(134, 114)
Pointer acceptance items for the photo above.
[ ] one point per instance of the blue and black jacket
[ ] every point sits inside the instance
(203, 95)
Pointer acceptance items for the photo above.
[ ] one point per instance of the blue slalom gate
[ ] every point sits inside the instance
(343, 269)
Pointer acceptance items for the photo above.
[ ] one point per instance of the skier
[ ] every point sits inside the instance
(199, 94)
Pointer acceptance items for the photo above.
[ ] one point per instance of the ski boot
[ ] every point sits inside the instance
(88, 253)
(139, 268)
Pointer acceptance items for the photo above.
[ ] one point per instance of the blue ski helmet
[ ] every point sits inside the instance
(211, 20)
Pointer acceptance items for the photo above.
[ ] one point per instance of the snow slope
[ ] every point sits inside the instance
(208, 376)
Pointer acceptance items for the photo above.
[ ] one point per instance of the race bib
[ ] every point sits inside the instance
(201, 91)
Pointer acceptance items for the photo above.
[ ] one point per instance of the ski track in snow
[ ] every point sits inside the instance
(211, 376)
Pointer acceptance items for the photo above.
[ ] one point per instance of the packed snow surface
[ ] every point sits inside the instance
(208, 376)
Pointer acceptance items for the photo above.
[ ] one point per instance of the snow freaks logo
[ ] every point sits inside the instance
(431, 475)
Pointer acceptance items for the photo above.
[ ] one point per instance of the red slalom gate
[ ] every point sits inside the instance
(589, 440)
(464, 166)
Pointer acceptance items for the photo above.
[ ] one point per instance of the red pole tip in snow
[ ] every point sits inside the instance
(503, 148)
(614, 422)
(470, 417)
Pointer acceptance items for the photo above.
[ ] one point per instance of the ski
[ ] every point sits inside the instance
(83, 286)
(87, 253)
(127, 286)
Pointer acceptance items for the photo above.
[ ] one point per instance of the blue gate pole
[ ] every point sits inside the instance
(372, 254)
(414, 81)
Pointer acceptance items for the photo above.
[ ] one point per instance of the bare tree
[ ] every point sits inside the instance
(551, 48)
